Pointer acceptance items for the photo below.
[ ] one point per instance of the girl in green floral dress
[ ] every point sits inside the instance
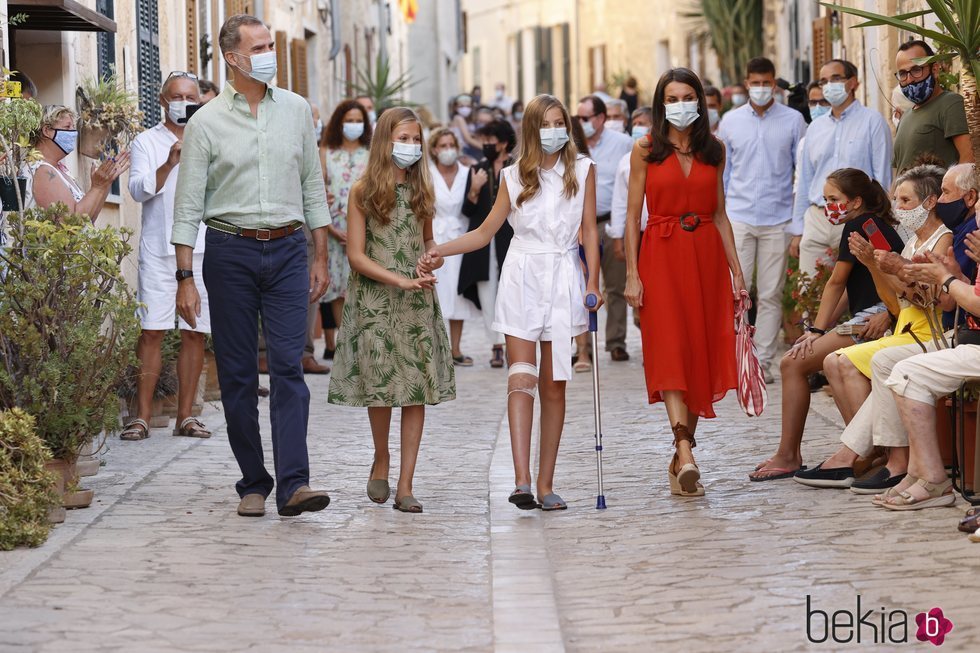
(392, 348)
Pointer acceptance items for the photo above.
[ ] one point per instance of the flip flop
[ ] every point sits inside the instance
(781, 473)
(407, 504)
(522, 498)
(552, 502)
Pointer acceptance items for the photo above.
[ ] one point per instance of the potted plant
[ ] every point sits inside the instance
(19, 120)
(801, 298)
(68, 326)
(108, 117)
(27, 488)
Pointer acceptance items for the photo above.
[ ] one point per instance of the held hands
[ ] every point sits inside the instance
(109, 170)
(428, 262)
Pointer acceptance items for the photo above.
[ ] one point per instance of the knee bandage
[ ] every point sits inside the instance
(522, 377)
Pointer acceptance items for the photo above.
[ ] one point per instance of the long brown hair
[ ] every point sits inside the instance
(704, 145)
(333, 135)
(375, 190)
(854, 183)
(529, 161)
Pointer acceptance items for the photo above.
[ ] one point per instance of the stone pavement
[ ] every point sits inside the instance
(162, 563)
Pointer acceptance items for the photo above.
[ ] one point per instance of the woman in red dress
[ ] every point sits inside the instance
(681, 277)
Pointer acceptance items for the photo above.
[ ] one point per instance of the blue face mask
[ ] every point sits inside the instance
(353, 130)
(817, 111)
(639, 132)
(920, 92)
(66, 139)
(835, 93)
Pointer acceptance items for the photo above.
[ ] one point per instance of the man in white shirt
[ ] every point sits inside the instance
(642, 122)
(761, 138)
(152, 182)
(607, 149)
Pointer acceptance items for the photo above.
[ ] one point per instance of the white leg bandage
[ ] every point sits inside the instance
(522, 377)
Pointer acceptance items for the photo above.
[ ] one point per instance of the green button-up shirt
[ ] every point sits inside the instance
(254, 172)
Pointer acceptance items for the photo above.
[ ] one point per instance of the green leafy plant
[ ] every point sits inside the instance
(959, 38)
(803, 291)
(107, 108)
(27, 490)
(735, 30)
(377, 83)
(68, 325)
(19, 120)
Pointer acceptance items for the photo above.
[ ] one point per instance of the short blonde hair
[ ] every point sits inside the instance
(437, 134)
(51, 114)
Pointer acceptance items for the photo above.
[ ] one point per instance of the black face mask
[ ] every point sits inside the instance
(490, 151)
(952, 213)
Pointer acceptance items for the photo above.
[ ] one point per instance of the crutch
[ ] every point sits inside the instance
(591, 301)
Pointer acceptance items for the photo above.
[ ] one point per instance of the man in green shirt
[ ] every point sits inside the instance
(937, 123)
(250, 169)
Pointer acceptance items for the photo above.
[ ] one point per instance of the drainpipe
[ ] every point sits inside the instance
(334, 30)
(260, 9)
(383, 30)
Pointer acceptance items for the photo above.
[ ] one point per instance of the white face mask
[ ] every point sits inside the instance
(464, 111)
(177, 111)
(760, 95)
(682, 114)
(738, 99)
(713, 117)
(319, 130)
(448, 157)
(553, 139)
(263, 66)
(912, 219)
(588, 129)
(835, 93)
(353, 130)
(616, 126)
(372, 117)
(405, 154)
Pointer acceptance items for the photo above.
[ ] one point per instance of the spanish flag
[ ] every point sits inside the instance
(409, 9)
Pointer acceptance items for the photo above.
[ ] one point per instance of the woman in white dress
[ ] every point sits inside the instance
(548, 197)
(451, 180)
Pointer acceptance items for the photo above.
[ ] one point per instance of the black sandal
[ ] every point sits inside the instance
(522, 498)
(498, 357)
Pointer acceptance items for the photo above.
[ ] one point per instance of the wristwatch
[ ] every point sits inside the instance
(813, 329)
(947, 284)
(184, 274)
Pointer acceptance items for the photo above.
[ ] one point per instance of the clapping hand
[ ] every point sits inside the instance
(862, 250)
(931, 269)
(109, 170)
(889, 262)
(973, 246)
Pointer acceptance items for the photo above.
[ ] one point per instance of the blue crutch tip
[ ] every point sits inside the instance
(600, 502)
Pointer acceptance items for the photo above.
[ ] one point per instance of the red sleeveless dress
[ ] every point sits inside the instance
(687, 317)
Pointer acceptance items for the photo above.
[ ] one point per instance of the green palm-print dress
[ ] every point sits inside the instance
(392, 348)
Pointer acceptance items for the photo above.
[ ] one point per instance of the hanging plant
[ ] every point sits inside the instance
(108, 117)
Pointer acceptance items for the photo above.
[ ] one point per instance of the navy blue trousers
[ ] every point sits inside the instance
(248, 280)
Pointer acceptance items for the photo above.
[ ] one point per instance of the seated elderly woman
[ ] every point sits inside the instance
(849, 371)
(864, 207)
(49, 182)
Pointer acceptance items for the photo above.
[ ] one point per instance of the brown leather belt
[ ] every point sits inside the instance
(255, 234)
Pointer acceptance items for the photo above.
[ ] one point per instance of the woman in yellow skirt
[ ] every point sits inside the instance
(849, 370)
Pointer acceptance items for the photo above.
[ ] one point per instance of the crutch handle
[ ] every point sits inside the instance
(591, 301)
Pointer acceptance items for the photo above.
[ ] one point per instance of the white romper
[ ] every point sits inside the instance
(542, 286)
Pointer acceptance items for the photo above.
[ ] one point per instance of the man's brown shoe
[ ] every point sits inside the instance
(619, 354)
(310, 366)
(305, 500)
(252, 505)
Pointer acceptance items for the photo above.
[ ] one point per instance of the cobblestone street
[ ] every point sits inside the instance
(161, 562)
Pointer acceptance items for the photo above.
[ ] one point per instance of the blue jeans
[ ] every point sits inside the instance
(248, 280)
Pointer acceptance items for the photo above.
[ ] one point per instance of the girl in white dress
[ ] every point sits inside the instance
(548, 196)
(451, 180)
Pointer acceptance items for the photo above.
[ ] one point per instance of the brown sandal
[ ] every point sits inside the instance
(136, 429)
(192, 427)
(684, 482)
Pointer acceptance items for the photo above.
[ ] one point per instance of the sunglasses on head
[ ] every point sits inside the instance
(181, 73)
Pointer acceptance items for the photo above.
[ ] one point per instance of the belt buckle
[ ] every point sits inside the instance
(267, 232)
(690, 221)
